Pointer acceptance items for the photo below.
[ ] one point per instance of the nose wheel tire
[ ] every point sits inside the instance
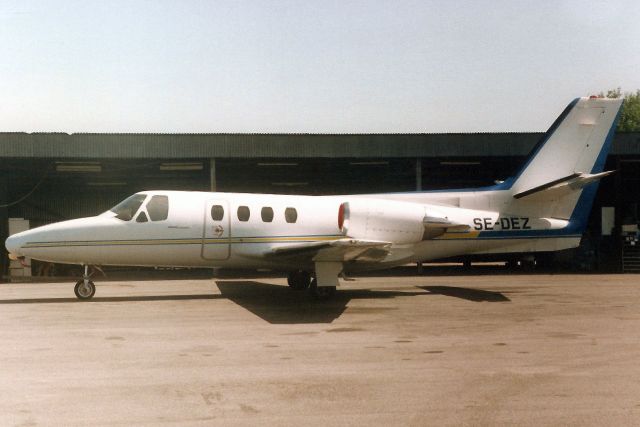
(299, 280)
(321, 292)
(85, 290)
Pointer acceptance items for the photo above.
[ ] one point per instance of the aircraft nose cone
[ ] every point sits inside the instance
(14, 244)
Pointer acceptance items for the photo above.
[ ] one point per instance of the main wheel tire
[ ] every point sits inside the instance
(321, 292)
(299, 280)
(84, 291)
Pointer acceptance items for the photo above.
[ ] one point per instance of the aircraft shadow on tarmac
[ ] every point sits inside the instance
(110, 299)
(280, 305)
(476, 295)
(272, 303)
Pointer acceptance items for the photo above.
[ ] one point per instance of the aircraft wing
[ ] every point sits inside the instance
(336, 250)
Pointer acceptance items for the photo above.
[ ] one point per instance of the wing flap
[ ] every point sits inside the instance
(336, 250)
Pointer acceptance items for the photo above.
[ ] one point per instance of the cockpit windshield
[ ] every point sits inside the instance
(126, 209)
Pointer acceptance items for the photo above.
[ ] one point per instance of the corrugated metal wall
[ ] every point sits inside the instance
(164, 146)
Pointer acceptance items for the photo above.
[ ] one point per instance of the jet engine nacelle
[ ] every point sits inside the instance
(382, 220)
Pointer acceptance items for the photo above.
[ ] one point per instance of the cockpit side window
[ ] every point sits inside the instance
(158, 208)
(126, 209)
(142, 217)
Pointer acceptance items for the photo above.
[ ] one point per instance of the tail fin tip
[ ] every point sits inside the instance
(573, 145)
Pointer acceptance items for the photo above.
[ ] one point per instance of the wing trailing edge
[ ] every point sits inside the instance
(336, 250)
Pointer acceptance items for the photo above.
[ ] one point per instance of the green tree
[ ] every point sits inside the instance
(630, 115)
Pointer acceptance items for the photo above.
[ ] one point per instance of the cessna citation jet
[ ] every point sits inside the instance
(544, 207)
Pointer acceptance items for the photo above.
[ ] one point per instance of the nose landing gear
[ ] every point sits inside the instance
(85, 289)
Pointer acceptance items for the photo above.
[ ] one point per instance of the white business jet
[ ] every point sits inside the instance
(545, 207)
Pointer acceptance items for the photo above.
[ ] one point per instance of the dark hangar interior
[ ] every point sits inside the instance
(50, 177)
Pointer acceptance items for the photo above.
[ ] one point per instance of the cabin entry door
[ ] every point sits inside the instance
(216, 236)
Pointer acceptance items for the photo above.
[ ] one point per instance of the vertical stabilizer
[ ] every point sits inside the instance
(577, 143)
(560, 179)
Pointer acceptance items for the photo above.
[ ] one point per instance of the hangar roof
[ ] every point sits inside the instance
(159, 146)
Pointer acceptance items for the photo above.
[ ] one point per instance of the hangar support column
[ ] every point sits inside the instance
(4, 226)
(212, 175)
(419, 188)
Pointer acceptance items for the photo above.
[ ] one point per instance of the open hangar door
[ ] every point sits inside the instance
(320, 176)
(49, 191)
(598, 249)
(447, 173)
(45, 191)
(627, 216)
(316, 176)
(611, 242)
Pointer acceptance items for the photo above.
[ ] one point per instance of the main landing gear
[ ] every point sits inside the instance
(321, 292)
(300, 280)
(85, 289)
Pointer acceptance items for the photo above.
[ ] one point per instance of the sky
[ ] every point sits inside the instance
(308, 66)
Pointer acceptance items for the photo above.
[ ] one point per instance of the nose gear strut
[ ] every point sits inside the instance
(85, 288)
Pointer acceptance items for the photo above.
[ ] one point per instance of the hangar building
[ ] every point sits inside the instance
(48, 177)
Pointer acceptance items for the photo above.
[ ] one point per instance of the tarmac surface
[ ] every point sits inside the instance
(449, 350)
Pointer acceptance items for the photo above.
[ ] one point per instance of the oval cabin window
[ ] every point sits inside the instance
(267, 214)
(291, 215)
(243, 213)
(217, 212)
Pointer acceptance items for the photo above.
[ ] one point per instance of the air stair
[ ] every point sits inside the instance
(631, 254)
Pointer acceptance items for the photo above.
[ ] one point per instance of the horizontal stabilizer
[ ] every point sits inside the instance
(563, 186)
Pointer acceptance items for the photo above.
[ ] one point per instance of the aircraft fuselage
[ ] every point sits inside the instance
(213, 230)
